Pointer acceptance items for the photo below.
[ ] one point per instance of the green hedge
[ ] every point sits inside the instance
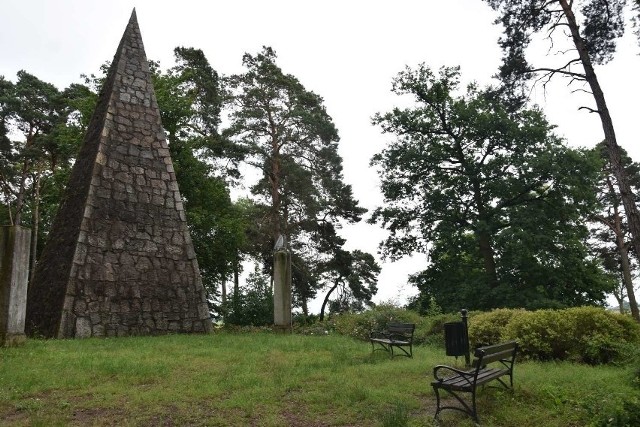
(429, 330)
(361, 324)
(583, 334)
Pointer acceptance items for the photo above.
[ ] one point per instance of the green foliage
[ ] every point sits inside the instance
(584, 334)
(50, 125)
(252, 304)
(360, 325)
(353, 276)
(623, 412)
(486, 328)
(490, 193)
(430, 329)
(592, 30)
(545, 334)
(599, 24)
(285, 133)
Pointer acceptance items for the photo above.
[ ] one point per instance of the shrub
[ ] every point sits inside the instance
(253, 305)
(625, 413)
(597, 335)
(486, 328)
(361, 324)
(430, 329)
(542, 334)
(584, 334)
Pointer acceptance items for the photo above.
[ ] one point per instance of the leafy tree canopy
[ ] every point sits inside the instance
(496, 199)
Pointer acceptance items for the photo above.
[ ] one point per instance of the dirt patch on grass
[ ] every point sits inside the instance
(98, 417)
(14, 417)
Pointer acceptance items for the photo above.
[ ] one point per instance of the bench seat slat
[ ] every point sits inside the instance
(388, 341)
(465, 383)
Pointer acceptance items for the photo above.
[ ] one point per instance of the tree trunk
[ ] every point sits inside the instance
(613, 149)
(274, 177)
(23, 179)
(236, 280)
(486, 251)
(275, 198)
(625, 266)
(484, 238)
(626, 270)
(626, 278)
(223, 290)
(36, 225)
(223, 298)
(326, 300)
(20, 197)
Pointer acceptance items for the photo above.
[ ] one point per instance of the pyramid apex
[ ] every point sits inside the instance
(133, 20)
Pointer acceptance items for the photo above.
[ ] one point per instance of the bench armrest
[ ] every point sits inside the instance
(436, 369)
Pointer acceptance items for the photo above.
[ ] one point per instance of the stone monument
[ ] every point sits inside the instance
(281, 286)
(14, 273)
(119, 260)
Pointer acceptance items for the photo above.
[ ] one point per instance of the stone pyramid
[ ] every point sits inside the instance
(119, 260)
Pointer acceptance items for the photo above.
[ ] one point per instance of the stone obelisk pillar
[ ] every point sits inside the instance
(120, 260)
(281, 287)
(14, 274)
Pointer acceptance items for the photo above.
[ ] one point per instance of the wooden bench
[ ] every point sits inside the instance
(456, 382)
(398, 335)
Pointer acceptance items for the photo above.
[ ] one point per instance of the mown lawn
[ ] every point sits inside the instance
(262, 379)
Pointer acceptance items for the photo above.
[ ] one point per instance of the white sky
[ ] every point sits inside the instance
(347, 51)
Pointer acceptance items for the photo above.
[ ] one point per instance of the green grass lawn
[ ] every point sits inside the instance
(262, 379)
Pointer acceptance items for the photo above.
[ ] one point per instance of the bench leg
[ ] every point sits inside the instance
(402, 347)
(383, 346)
(474, 413)
(435, 389)
(469, 410)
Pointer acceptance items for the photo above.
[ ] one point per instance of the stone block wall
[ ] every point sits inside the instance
(132, 269)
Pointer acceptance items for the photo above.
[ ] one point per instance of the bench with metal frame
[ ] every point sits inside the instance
(398, 335)
(502, 356)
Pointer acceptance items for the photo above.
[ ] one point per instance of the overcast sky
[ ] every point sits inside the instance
(345, 51)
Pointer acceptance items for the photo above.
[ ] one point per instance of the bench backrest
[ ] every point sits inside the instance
(493, 353)
(404, 330)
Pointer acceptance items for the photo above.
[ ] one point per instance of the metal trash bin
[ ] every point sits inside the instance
(455, 338)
